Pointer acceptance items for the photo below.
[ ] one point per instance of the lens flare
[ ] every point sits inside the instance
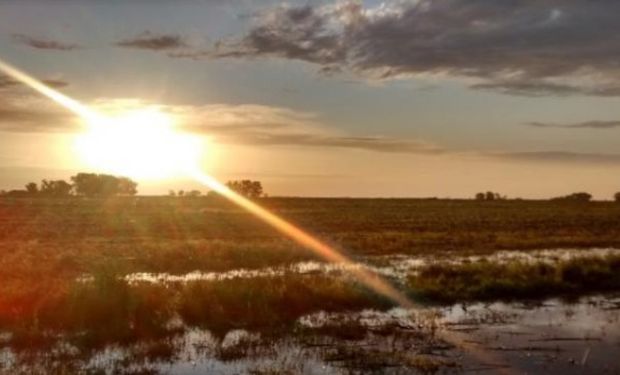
(104, 126)
(71, 104)
(371, 280)
(326, 252)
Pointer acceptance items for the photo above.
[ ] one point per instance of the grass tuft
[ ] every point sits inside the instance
(515, 280)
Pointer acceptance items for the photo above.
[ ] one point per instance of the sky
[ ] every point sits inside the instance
(420, 98)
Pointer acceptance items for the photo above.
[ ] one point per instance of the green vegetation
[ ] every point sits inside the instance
(516, 280)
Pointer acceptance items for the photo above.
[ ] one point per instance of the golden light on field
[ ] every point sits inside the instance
(141, 143)
(144, 143)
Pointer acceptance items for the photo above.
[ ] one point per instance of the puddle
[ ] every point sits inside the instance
(396, 267)
(297, 268)
(550, 337)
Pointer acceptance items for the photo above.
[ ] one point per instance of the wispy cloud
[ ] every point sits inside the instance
(543, 47)
(578, 125)
(153, 42)
(33, 115)
(542, 87)
(559, 157)
(259, 125)
(44, 43)
(8, 82)
(22, 111)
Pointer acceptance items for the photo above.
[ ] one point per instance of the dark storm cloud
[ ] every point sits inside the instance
(47, 44)
(154, 42)
(528, 47)
(579, 125)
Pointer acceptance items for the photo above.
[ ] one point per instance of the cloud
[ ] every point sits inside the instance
(378, 144)
(41, 43)
(273, 126)
(542, 88)
(8, 82)
(532, 47)
(34, 115)
(258, 125)
(560, 157)
(154, 42)
(22, 111)
(579, 125)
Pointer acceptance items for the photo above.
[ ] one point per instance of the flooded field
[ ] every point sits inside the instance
(550, 336)
(542, 336)
(397, 267)
(176, 286)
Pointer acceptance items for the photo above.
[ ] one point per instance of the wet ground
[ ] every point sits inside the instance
(550, 337)
(395, 267)
(544, 337)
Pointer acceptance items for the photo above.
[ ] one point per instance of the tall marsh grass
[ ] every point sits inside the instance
(485, 280)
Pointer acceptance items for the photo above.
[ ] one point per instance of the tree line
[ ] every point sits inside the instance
(82, 184)
(104, 185)
(574, 197)
(247, 188)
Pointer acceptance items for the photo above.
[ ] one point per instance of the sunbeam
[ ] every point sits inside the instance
(371, 280)
(328, 253)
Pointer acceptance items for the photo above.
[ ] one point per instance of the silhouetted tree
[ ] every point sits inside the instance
(193, 193)
(16, 194)
(489, 196)
(617, 197)
(575, 197)
(85, 184)
(127, 186)
(247, 188)
(32, 188)
(103, 185)
(57, 188)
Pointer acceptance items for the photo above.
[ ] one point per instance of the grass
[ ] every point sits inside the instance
(515, 280)
(68, 237)
(47, 244)
(270, 302)
(109, 310)
(361, 225)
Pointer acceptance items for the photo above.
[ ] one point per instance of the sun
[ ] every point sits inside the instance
(141, 143)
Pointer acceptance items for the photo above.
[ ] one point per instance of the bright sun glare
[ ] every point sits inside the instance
(141, 144)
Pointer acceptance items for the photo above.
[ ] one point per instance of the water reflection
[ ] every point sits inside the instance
(552, 336)
(397, 267)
